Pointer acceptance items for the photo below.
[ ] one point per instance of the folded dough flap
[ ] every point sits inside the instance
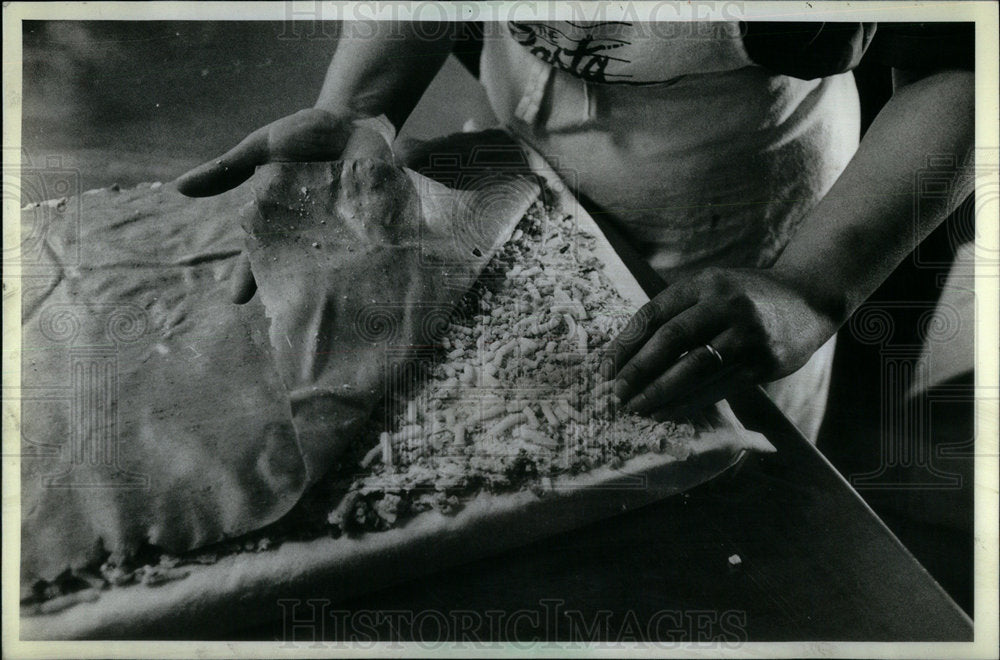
(360, 265)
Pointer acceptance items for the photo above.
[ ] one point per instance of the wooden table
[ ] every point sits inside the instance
(781, 550)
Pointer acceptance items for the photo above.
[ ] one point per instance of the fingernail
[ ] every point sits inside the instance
(638, 404)
(662, 415)
(606, 370)
(621, 390)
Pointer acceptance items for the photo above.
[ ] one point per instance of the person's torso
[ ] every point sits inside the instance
(700, 156)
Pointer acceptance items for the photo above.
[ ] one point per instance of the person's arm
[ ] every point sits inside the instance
(867, 223)
(383, 68)
(766, 323)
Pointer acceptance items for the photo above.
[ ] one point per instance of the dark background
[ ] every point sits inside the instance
(132, 101)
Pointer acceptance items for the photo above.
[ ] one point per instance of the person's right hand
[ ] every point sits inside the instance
(308, 135)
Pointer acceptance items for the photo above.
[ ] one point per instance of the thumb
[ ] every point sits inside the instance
(227, 171)
(365, 143)
(371, 137)
(241, 281)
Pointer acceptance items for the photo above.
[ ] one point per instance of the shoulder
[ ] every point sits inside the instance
(810, 50)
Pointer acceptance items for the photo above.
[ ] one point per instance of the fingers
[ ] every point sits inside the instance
(314, 135)
(711, 390)
(410, 153)
(229, 170)
(367, 143)
(306, 136)
(691, 327)
(643, 325)
(242, 283)
(696, 380)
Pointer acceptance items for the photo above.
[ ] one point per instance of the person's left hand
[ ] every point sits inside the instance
(704, 337)
(309, 135)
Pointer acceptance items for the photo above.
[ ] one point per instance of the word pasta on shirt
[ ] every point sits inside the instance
(619, 52)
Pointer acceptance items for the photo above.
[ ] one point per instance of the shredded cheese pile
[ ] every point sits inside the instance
(515, 399)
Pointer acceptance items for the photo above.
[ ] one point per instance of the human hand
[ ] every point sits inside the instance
(709, 335)
(308, 135)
